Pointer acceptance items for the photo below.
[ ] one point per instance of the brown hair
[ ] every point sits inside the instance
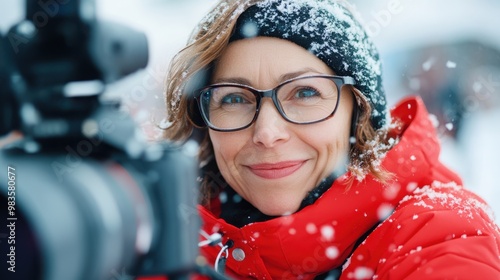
(206, 45)
(370, 145)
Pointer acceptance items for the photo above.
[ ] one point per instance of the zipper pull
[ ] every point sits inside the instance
(220, 261)
(221, 265)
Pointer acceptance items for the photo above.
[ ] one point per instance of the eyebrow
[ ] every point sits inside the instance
(282, 78)
(295, 74)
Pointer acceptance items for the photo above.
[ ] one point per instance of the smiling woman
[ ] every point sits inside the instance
(254, 161)
(306, 174)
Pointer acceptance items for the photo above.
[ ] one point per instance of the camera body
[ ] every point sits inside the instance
(84, 195)
(91, 217)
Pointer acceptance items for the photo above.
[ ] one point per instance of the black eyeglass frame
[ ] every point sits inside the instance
(339, 81)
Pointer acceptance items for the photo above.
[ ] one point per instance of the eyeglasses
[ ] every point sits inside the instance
(301, 100)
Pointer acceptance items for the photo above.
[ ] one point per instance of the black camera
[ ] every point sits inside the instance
(83, 196)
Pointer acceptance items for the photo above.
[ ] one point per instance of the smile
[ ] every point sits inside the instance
(276, 170)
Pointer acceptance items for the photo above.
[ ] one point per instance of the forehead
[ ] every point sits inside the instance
(266, 57)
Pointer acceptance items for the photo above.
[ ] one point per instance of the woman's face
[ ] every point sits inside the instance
(273, 164)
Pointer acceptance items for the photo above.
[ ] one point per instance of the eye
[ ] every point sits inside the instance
(233, 99)
(306, 93)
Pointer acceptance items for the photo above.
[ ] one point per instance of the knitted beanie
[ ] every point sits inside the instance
(328, 30)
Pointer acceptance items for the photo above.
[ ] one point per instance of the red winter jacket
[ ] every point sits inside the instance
(438, 229)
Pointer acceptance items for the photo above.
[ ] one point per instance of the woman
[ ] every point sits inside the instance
(305, 173)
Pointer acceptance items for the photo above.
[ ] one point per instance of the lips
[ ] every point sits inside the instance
(276, 170)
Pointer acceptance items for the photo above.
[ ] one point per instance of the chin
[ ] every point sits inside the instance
(279, 208)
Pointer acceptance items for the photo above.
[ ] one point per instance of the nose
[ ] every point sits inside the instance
(270, 128)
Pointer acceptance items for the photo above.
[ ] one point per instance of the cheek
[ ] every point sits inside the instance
(226, 147)
(332, 141)
(336, 151)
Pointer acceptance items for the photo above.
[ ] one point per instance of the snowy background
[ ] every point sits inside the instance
(446, 51)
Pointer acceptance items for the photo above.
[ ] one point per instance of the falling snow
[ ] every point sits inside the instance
(311, 228)
(434, 120)
(451, 64)
(332, 252)
(427, 65)
(384, 211)
(223, 197)
(327, 232)
(363, 273)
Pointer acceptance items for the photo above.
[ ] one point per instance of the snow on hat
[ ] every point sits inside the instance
(328, 30)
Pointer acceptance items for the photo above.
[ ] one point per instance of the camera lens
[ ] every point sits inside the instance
(82, 222)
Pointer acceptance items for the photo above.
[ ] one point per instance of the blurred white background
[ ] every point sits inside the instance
(446, 51)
